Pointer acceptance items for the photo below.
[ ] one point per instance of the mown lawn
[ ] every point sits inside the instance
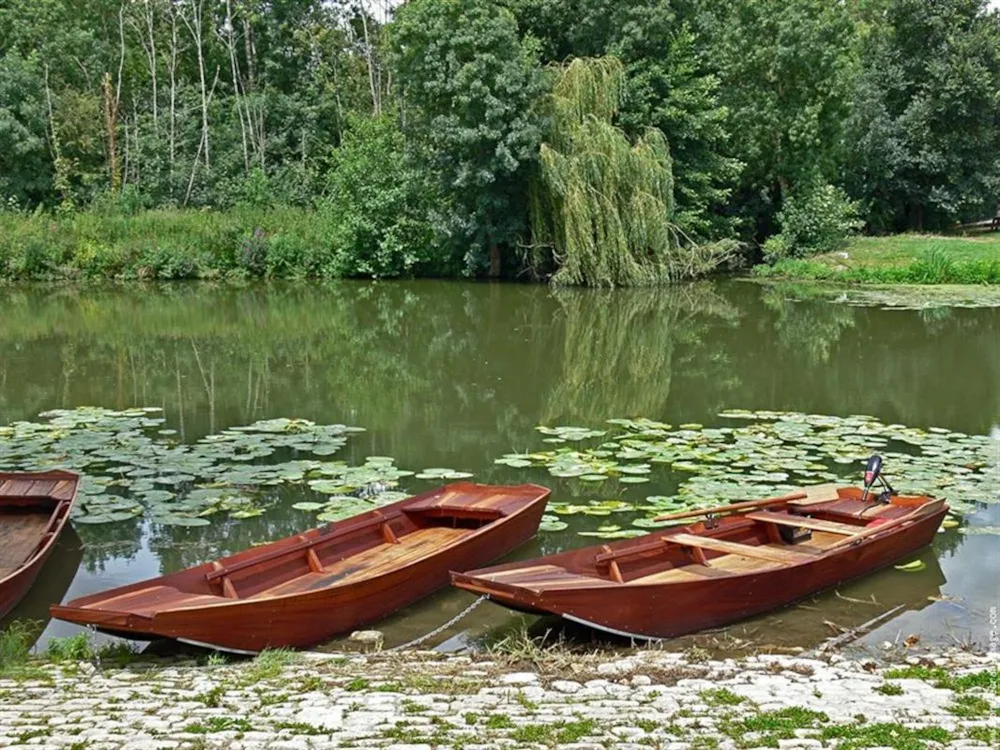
(900, 259)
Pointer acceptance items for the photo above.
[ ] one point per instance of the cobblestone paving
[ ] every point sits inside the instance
(419, 701)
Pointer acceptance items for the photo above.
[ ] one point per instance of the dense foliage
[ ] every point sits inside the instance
(413, 131)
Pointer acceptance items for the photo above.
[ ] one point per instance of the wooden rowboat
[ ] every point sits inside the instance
(34, 508)
(308, 588)
(740, 561)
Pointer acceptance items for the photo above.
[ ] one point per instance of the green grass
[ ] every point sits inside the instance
(987, 679)
(219, 724)
(270, 663)
(721, 697)
(15, 645)
(499, 721)
(774, 725)
(299, 727)
(900, 259)
(562, 732)
(889, 688)
(851, 736)
(970, 706)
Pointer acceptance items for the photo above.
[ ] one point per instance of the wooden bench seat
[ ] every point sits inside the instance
(803, 522)
(308, 544)
(370, 563)
(734, 548)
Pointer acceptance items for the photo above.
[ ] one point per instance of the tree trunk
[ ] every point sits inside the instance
(196, 27)
(231, 44)
(111, 125)
(495, 264)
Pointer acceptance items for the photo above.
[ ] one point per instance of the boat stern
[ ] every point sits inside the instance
(128, 624)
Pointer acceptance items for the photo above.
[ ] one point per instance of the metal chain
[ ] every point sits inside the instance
(441, 629)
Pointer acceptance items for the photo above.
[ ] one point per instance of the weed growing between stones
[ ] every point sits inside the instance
(970, 707)
(721, 697)
(269, 663)
(889, 688)
(770, 726)
(897, 736)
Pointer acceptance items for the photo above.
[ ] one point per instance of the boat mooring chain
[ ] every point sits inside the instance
(441, 629)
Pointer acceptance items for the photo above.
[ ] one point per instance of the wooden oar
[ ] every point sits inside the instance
(916, 515)
(736, 507)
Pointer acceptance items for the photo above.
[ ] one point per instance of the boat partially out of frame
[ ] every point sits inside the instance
(738, 561)
(34, 509)
(311, 587)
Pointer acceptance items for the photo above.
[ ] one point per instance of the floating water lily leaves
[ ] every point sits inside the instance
(552, 523)
(442, 474)
(767, 453)
(134, 453)
(310, 506)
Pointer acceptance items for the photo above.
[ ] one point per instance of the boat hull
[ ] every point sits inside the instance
(306, 619)
(654, 611)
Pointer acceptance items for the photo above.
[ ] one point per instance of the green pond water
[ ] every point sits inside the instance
(458, 375)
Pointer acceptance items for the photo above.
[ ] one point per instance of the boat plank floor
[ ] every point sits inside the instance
(804, 522)
(20, 534)
(370, 563)
(724, 565)
(774, 554)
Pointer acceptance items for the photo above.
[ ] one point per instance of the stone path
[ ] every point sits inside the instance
(419, 701)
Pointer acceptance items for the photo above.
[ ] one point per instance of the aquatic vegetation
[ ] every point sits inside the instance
(132, 465)
(754, 454)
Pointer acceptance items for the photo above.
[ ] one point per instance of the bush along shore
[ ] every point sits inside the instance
(425, 700)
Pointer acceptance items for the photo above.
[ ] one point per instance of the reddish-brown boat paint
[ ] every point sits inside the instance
(34, 508)
(663, 584)
(308, 588)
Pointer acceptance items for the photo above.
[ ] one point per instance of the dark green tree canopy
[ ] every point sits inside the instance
(926, 115)
(470, 88)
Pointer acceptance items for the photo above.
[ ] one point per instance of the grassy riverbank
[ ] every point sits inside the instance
(174, 244)
(899, 259)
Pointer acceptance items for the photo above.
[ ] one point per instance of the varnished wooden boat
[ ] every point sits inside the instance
(741, 561)
(308, 588)
(34, 508)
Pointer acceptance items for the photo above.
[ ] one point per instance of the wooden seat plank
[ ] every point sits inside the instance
(816, 524)
(735, 548)
(40, 488)
(369, 563)
(319, 540)
(64, 489)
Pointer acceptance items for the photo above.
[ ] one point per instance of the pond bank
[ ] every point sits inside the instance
(899, 259)
(429, 700)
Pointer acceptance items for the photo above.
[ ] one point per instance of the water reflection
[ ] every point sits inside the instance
(456, 374)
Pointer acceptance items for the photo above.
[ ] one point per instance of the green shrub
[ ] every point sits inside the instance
(817, 218)
(379, 206)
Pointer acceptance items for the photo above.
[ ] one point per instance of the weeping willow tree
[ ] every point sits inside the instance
(602, 205)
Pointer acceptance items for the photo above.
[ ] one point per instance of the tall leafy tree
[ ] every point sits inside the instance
(470, 88)
(926, 119)
(669, 86)
(25, 166)
(786, 68)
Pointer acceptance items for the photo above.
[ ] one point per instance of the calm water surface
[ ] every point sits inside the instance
(457, 374)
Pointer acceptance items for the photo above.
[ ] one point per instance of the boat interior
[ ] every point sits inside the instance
(26, 519)
(750, 542)
(337, 554)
